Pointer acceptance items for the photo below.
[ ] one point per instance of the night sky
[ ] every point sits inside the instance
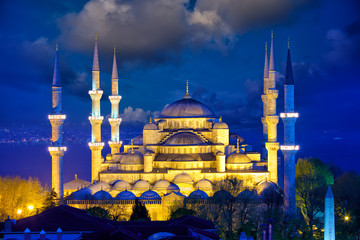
(218, 45)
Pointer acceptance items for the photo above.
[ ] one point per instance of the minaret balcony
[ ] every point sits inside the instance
(96, 118)
(289, 147)
(96, 144)
(289, 115)
(115, 121)
(96, 92)
(115, 97)
(115, 143)
(57, 149)
(57, 116)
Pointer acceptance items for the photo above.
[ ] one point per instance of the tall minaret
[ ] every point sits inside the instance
(329, 221)
(289, 148)
(96, 119)
(114, 120)
(265, 103)
(57, 119)
(272, 146)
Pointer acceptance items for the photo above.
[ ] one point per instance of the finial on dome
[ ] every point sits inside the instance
(288, 43)
(114, 48)
(132, 145)
(150, 120)
(57, 46)
(237, 146)
(220, 119)
(95, 36)
(75, 176)
(187, 95)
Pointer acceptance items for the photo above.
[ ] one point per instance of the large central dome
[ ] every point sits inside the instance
(186, 107)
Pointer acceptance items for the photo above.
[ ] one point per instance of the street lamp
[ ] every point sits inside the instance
(19, 211)
(31, 207)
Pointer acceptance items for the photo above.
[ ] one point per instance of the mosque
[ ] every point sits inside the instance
(181, 154)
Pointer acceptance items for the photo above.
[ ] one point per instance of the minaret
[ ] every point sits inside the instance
(57, 119)
(114, 120)
(96, 119)
(265, 103)
(289, 148)
(329, 222)
(272, 146)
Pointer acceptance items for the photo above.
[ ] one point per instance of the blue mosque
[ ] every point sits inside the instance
(182, 154)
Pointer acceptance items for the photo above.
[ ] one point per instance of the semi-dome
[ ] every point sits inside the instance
(220, 125)
(198, 194)
(132, 158)
(121, 185)
(266, 187)
(141, 185)
(173, 188)
(184, 138)
(204, 184)
(182, 178)
(150, 195)
(222, 194)
(125, 195)
(186, 107)
(247, 194)
(161, 185)
(238, 157)
(102, 195)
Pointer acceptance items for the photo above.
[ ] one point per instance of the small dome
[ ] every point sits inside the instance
(102, 195)
(121, 185)
(204, 184)
(198, 194)
(150, 126)
(238, 158)
(132, 158)
(266, 187)
(141, 185)
(125, 195)
(222, 194)
(247, 194)
(182, 178)
(161, 185)
(82, 194)
(184, 138)
(187, 107)
(150, 195)
(98, 187)
(220, 125)
(173, 188)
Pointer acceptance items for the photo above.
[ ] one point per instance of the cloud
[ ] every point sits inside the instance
(137, 117)
(143, 29)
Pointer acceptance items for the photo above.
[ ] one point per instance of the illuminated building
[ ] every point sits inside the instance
(182, 153)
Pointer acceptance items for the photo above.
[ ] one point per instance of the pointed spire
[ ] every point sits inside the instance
(237, 146)
(272, 62)
(187, 95)
(56, 77)
(114, 70)
(329, 193)
(289, 79)
(266, 65)
(96, 56)
(150, 120)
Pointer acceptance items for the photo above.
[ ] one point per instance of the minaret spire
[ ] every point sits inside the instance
(115, 120)
(272, 62)
(57, 119)
(289, 149)
(96, 119)
(266, 63)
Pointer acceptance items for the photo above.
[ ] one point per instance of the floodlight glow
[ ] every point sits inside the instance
(57, 116)
(19, 211)
(289, 115)
(31, 207)
(289, 147)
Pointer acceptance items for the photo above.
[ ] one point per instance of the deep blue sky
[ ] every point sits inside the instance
(217, 45)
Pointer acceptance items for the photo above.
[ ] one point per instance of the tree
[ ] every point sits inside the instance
(20, 198)
(312, 179)
(99, 212)
(51, 200)
(180, 212)
(140, 213)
